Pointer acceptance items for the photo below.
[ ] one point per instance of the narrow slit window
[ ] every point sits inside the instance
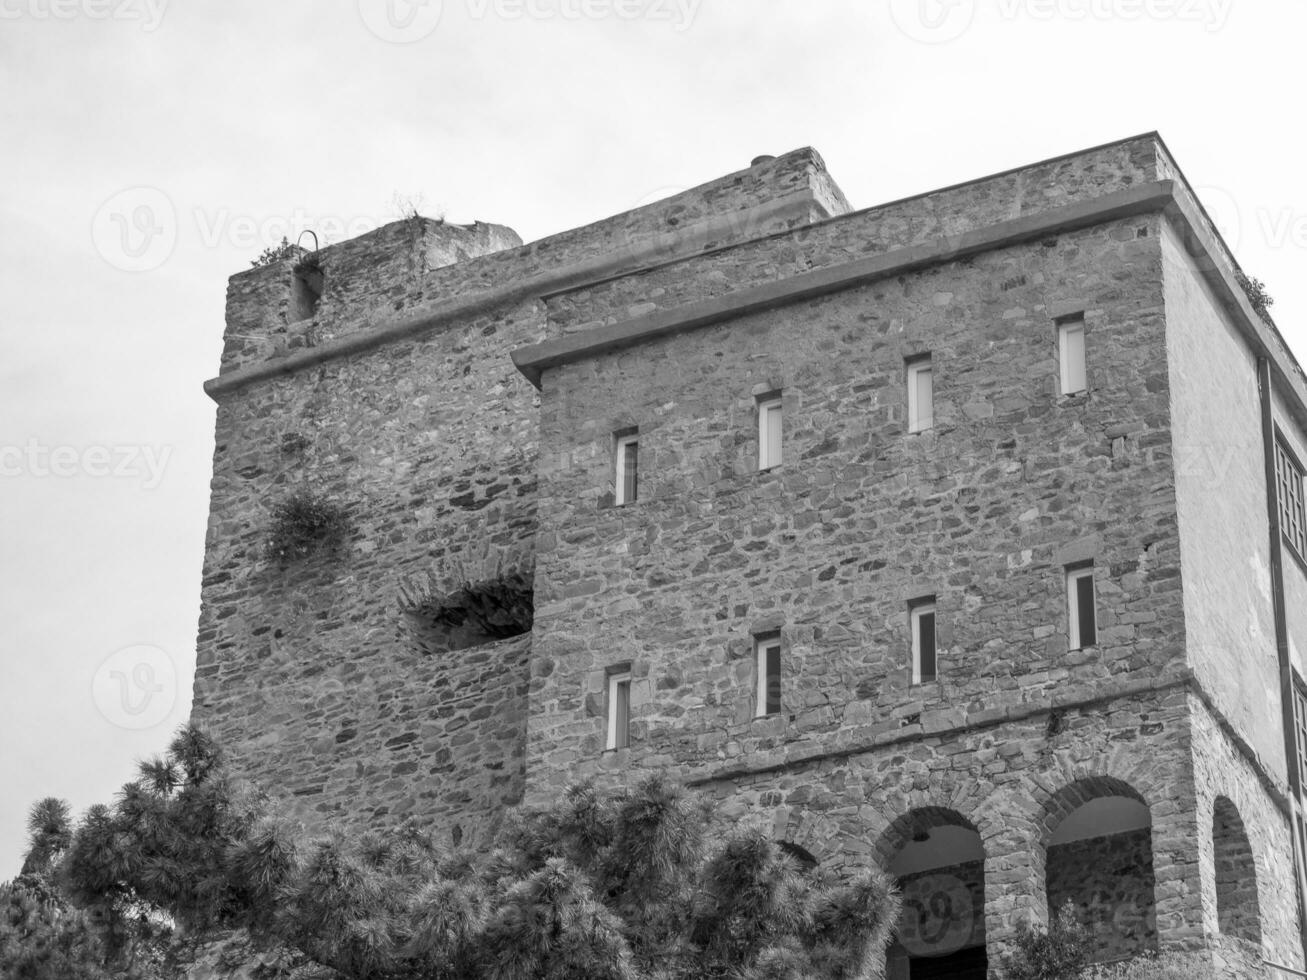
(922, 617)
(1083, 625)
(1071, 353)
(769, 432)
(921, 395)
(627, 480)
(619, 710)
(767, 651)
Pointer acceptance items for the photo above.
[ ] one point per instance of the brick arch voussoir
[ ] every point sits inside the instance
(1056, 805)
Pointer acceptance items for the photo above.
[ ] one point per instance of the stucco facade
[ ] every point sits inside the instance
(460, 398)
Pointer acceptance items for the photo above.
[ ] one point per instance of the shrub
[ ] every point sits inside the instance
(1151, 966)
(275, 253)
(305, 524)
(601, 886)
(1058, 953)
(1255, 289)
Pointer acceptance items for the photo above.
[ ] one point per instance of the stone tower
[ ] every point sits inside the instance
(963, 534)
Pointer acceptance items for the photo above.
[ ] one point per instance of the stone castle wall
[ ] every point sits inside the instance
(397, 400)
(316, 674)
(983, 512)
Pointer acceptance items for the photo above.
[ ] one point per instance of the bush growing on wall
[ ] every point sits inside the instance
(306, 524)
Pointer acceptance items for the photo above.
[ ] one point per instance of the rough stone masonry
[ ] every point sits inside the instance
(492, 612)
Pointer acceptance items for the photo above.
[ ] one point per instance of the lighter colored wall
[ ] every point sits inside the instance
(1220, 486)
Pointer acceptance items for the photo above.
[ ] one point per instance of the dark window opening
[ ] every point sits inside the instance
(922, 616)
(473, 614)
(768, 657)
(801, 855)
(307, 289)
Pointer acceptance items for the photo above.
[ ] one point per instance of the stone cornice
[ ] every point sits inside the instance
(808, 755)
(533, 360)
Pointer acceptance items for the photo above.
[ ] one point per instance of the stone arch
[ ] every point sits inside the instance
(1237, 909)
(937, 856)
(803, 857)
(1098, 855)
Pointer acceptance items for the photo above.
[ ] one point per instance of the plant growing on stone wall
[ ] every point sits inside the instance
(1255, 290)
(275, 253)
(306, 524)
(1057, 953)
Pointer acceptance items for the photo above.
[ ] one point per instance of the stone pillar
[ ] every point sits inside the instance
(1014, 886)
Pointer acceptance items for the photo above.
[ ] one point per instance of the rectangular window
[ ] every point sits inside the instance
(619, 709)
(922, 617)
(1300, 731)
(767, 654)
(1071, 353)
(1289, 490)
(1083, 621)
(627, 481)
(921, 395)
(769, 431)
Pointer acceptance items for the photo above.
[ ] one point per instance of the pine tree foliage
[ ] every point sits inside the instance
(625, 885)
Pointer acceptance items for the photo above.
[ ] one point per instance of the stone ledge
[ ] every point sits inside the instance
(535, 359)
(808, 755)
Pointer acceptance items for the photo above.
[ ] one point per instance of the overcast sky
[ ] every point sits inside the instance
(151, 149)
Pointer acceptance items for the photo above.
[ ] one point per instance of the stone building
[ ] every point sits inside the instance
(963, 534)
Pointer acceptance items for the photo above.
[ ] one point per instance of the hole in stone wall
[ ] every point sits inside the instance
(801, 855)
(473, 614)
(307, 285)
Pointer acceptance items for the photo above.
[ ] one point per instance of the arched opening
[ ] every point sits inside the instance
(939, 860)
(1237, 911)
(1099, 857)
(801, 856)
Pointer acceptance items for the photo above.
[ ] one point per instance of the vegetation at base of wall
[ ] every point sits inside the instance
(628, 885)
(1166, 966)
(1255, 290)
(306, 524)
(1059, 952)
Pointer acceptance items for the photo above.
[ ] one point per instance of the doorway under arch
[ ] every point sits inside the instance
(938, 859)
